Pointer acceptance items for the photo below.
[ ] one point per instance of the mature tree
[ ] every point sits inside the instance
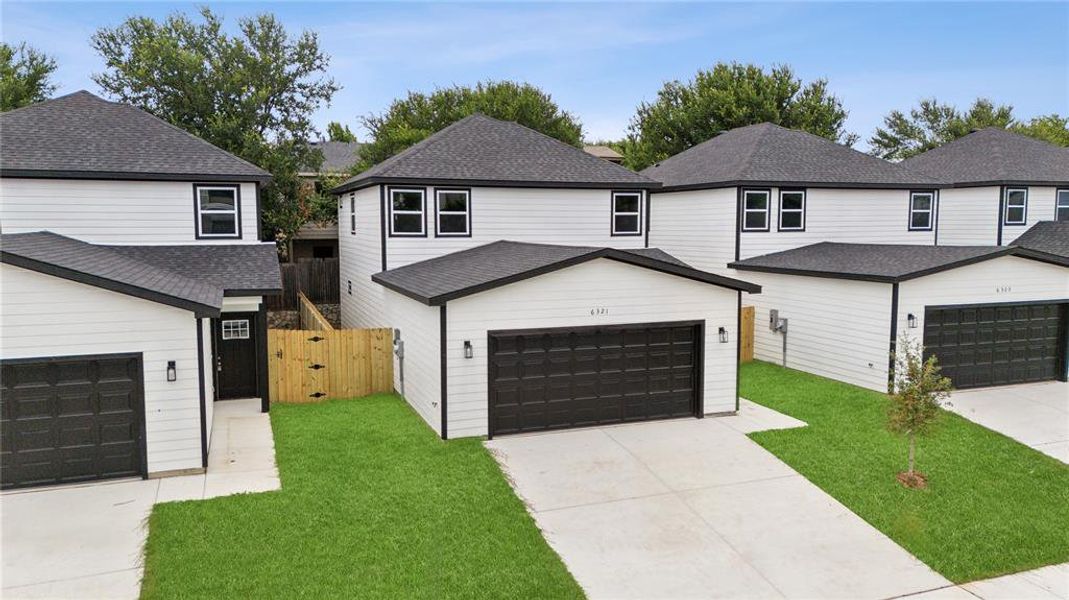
(919, 392)
(932, 124)
(1050, 128)
(252, 93)
(336, 132)
(728, 96)
(25, 76)
(418, 115)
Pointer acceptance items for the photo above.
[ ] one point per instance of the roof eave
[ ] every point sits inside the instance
(366, 182)
(131, 176)
(806, 184)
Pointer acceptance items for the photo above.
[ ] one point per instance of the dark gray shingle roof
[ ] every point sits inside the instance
(1051, 237)
(338, 157)
(767, 154)
(873, 262)
(81, 135)
(480, 150)
(438, 280)
(994, 156)
(103, 267)
(245, 269)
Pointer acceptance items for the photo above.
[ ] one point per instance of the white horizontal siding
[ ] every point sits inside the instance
(836, 328)
(565, 298)
(114, 212)
(1041, 202)
(209, 380)
(360, 257)
(46, 316)
(968, 216)
(420, 327)
(697, 227)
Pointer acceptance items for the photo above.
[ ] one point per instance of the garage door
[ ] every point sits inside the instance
(71, 419)
(559, 378)
(987, 345)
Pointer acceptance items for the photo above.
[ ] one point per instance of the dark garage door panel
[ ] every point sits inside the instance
(71, 419)
(561, 378)
(987, 345)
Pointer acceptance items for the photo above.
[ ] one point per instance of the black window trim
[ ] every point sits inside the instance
(1057, 199)
(779, 208)
(767, 211)
(640, 214)
(438, 212)
(237, 211)
(389, 205)
(352, 213)
(1006, 207)
(931, 210)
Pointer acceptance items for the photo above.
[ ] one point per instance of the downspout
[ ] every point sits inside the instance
(399, 351)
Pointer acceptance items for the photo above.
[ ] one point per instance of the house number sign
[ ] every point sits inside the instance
(599, 311)
(1003, 289)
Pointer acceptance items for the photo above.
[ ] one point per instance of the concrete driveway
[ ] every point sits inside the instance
(1035, 414)
(692, 508)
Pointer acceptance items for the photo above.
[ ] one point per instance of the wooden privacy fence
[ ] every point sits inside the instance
(317, 278)
(746, 320)
(311, 318)
(306, 366)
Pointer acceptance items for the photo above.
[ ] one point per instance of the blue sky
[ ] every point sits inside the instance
(600, 60)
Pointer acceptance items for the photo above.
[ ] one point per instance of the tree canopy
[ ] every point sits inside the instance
(931, 124)
(418, 115)
(725, 97)
(252, 94)
(336, 132)
(25, 76)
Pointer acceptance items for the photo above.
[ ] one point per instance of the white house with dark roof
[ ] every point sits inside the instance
(133, 279)
(996, 184)
(517, 274)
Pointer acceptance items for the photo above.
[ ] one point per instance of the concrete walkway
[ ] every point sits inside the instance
(85, 541)
(1035, 414)
(693, 508)
(1047, 583)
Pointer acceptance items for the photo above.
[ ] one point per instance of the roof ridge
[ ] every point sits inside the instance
(410, 152)
(747, 160)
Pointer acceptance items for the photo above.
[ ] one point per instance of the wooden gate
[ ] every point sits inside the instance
(746, 334)
(306, 366)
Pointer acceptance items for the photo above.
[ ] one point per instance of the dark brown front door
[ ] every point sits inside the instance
(575, 377)
(71, 419)
(235, 350)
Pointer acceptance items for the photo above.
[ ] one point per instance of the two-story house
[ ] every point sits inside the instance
(516, 273)
(132, 293)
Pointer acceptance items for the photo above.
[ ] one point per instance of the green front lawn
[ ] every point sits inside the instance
(372, 504)
(993, 506)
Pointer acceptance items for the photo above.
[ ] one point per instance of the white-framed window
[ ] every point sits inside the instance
(453, 213)
(792, 210)
(1016, 211)
(921, 210)
(352, 213)
(407, 212)
(755, 210)
(1061, 205)
(217, 211)
(627, 213)
(236, 329)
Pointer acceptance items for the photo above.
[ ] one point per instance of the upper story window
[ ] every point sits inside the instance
(407, 209)
(755, 210)
(453, 213)
(627, 213)
(1016, 211)
(1061, 205)
(921, 210)
(217, 211)
(352, 213)
(792, 210)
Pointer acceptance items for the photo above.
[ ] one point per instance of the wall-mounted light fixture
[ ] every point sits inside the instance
(723, 332)
(468, 351)
(172, 371)
(911, 320)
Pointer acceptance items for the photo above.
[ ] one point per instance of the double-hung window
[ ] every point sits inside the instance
(217, 211)
(1061, 205)
(921, 210)
(755, 210)
(792, 210)
(407, 208)
(1016, 210)
(627, 213)
(352, 213)
(453, 213)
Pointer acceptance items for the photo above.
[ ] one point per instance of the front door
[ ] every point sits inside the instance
(235, 351)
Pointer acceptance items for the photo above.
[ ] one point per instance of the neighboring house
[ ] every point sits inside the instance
(133, 280)
(604, 153)
(516, 273)
(320, 240)
(996, 184)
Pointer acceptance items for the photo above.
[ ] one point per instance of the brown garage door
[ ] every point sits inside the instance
(984, 345)
(575, 377)
(71, 419)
